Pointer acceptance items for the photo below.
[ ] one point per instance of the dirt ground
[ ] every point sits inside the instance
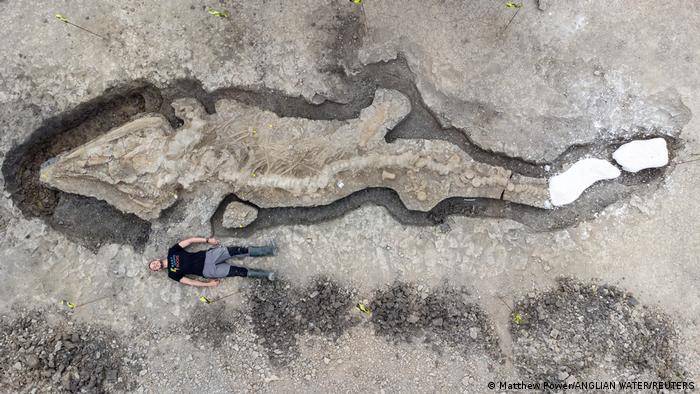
(469, 293)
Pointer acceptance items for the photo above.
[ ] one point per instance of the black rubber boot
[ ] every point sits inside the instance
(260, 251)
(260, 274)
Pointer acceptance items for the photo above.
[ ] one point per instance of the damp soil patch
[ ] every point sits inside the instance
(64, 356)
(561, 334)
(441, 318)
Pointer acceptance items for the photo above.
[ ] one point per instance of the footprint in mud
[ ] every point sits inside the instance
(579, 329)
(404, 312)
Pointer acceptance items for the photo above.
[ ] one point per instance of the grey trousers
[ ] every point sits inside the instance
(215, 265)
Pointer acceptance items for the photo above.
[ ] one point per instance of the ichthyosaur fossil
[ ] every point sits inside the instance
(271, 161)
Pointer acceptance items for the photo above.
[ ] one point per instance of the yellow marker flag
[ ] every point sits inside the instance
(364, 308)
(220, 14)
(70, 305)
(518, 319)
(61, 18)
(205, 300)
(510, 4)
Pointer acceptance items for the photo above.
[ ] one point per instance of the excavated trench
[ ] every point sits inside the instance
(93, 222)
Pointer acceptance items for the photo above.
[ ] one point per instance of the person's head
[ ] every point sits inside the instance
(157, 265)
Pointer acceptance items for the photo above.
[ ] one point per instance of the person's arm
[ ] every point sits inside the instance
(196, 240)
(199, 283)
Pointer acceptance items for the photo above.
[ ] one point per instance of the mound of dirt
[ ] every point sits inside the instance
(36, 356)
(281, 313)
(566, 333)
(405, 312)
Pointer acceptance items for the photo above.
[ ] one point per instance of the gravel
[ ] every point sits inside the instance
(567, 332)
(282, 313)
(36, 356)
(405, 312)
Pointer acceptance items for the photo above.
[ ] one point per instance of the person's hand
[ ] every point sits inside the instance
(214, 283)
(212, 241)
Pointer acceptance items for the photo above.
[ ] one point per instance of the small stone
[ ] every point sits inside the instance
(111, 375)
(32, 361)
(326, 360)
(542, 4)
(640, 204)
(421, 162)
(444, 228)
(271, 378)
(421, 195)
(437, 322)
(473, 332)
(238, 214)
(554, 333)
(66, 380)
(17, 365)
(632, 301)
(413, 319)
(562, 375)
(571, 379)
(386, 175)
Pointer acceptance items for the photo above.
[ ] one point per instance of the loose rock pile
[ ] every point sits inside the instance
(36, 356)
(406, 312)
(238, 214)
(559, 334)
(282, 313)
